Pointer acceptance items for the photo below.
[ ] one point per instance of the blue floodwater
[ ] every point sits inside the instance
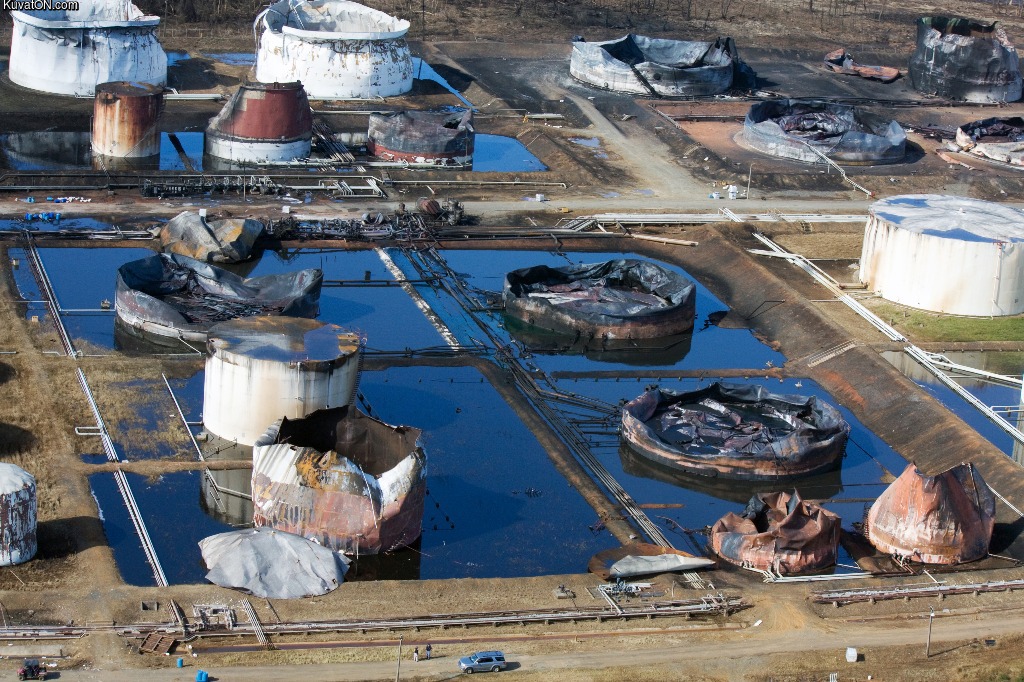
(60, 150)
(232, 58)
(66, 222)
(424, 71)
(497, 153)
(592, 142)
(192, 143)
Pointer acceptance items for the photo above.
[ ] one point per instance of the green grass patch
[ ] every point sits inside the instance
(922, 326)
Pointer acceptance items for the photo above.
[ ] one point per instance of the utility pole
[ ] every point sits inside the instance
(928, 646)
(398, 670)
(749, 172)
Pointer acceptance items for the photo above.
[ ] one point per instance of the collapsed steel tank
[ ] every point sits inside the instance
(262, 123)
(599, 304)
(341, 478)
(996, 139)
(338, 49)
(176, 297)
(947, 518)
(778, 532)
(18, 505)
(657, 66)
(735, 431)
(811, 131)
(965, 59)
(438, 138)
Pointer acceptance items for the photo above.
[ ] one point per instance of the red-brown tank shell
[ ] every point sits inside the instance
(265, 111)
(124, 122)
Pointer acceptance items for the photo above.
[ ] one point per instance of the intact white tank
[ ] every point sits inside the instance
(337, 48)
(260, 369)
(945, 254)
(17, 515)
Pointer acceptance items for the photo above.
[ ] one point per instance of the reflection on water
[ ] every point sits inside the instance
(659, 352)
(62, 150)
(502, 154)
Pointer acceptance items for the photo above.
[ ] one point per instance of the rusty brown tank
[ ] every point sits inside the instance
(262, 123)
(778, 532)
(942, 519)
(124, 122)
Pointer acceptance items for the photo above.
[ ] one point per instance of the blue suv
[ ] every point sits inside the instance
(482, 661)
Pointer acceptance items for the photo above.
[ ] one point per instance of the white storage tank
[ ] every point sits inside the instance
(338, 49)
(945, 254)
(260, 369)
(17, 515)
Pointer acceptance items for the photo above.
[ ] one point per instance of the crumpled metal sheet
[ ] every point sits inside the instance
(841, 61)
(670, 68)
(422, 136)
(643, 558)
(180, 297)
(230, 240)
(964, 59)
(739, 431)
(70, 52)
(341, 478)
(778, 532)
(272, 564)
(943, 519)
(998, 139)
(18, 539)
(616, 299)
(845, 134)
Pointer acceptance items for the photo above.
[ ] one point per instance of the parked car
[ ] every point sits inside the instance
(31, 670)
(483, 661)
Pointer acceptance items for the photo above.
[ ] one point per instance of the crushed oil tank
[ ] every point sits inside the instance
(942, 519)
(337, 49)
(778, 532)
(739, 431)
(945, 254)
(179, 297)
(422, 137)
(272, 564)
(229, 240)
(73, 47)
(642, 558)
(995, 139)
(262, 123)
(841, 61)
(660, 67)
(17, 515)
(807, 131)
(965, 59)
(124, 120)
(260, 369)
(342, 479)
(594, 304)
(657, 352)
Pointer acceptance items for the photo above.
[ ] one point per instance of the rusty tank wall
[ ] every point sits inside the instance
(17, 515)
(436, 137)
(124, 119)
(260, 369)
(262, 123)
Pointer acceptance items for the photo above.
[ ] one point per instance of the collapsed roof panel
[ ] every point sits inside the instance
(947, 518)
(341, 478)
(808, 130)
(595, 303)
(964, 59)
(438, 137)
(230, 240)
(272, 564)
(997, 139)
(841, 61)
(179, 297)
(70, 51)
(738, 431)
(641, 558)
(659, 67)
(778, 532)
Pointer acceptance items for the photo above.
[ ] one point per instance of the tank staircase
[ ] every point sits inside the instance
(644, 82)
(328, 141)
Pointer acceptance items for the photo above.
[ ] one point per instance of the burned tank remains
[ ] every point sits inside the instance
(174, 296)
(778, 532)
(964, 59)
(660, 67)
(230, 240)
(947, 518)
(808, 131)
(995, 139)
(262, 123)
(439, 138)
(597, 304)
(841, 61)
(18, 532)
(736, 431)
(641, 558)
(342, 479)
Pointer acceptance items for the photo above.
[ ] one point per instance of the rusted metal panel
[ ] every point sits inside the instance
(156, 643)
(840, 61)
(738, 431)
(343, 479)
(17, 515)
(778, 532)
(125, 118)
(942, 519)
(262, 122)
(438, 137)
